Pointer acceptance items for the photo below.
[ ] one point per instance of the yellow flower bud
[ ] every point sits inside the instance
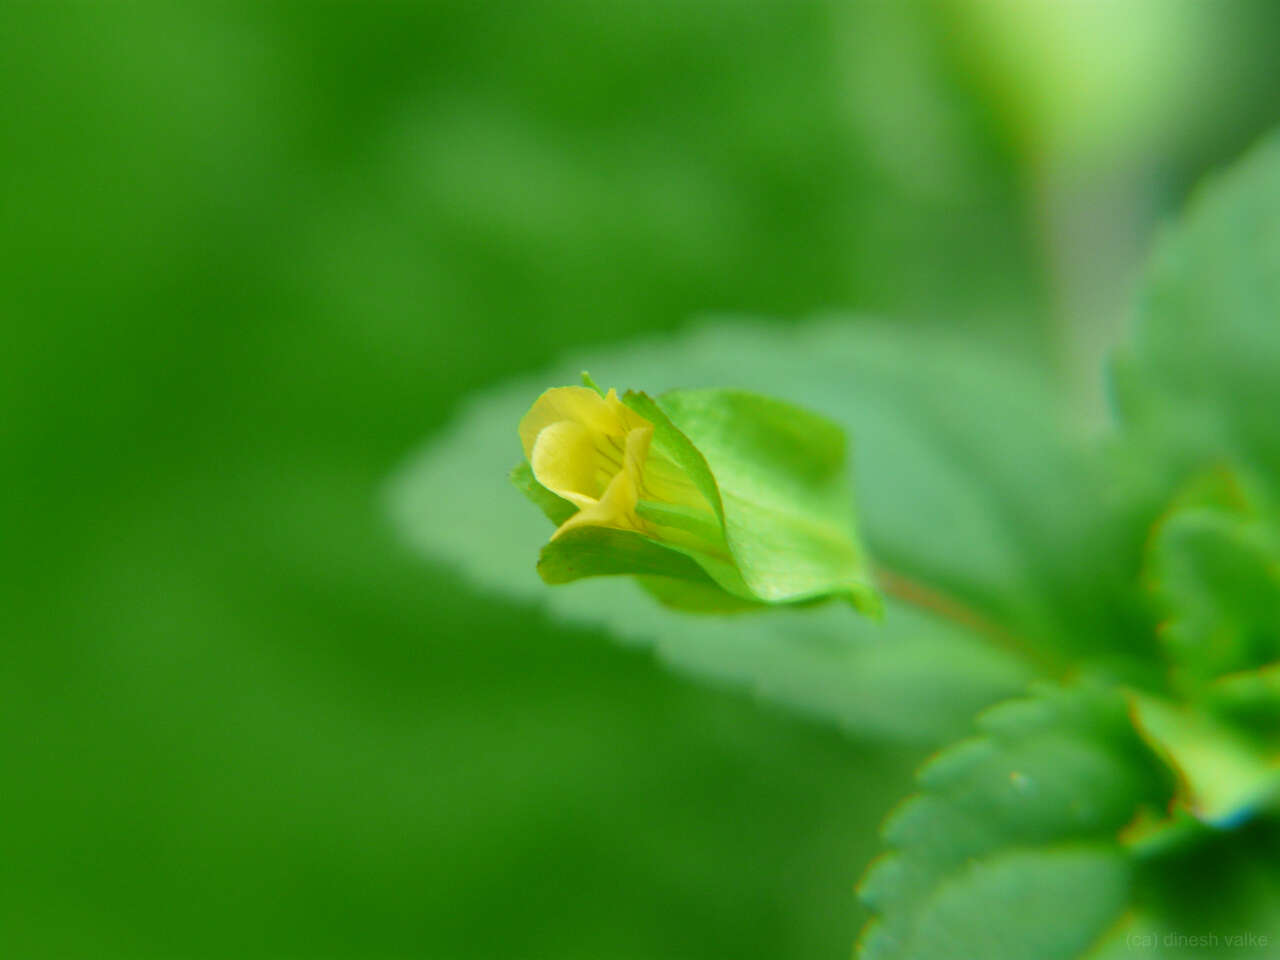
(715, 499)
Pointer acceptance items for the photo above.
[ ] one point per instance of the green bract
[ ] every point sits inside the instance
(717, 499)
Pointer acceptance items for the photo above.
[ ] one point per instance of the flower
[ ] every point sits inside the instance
(597, 454)
(715, 500)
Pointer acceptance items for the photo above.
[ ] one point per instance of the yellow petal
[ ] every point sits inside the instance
(627, 418)
(576, 405)
(565, 460)
(637, 451)
(617, 507)
(590, 450)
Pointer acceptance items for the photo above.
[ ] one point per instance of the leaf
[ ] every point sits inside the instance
(967, 487)
(1224, 775)
(1218, 896)
(916, 677)
(1199, 384)
(1029, 841)
(1250, 698)
(1011, 849)
(1048, 904)
(1214, 568)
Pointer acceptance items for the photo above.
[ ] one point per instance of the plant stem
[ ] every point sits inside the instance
(923, 597)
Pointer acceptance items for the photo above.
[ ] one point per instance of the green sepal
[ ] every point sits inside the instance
(692, 596)
(678, 517)
(583, 552)
(675, 444)
(668, 575)
(556, 508)
(776, 476)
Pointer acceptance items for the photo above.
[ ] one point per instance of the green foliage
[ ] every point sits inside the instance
(915, 676)
(1146, 568)
(1214, 567)
(252, 252)
(1052, 815)
(927, 417)
(1199, 383)
(1224, 774)
(1216, 896)
(1029, 841)
(1011, 849)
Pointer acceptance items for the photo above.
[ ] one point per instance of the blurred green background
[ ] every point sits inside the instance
(253, 254)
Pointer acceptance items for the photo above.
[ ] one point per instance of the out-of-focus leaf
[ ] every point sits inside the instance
(913, 677)
(918, 676)
(965, 485)
(1214, 566)
(1215, 571)
(1215, 896)
(1250, 698)
(1010, 850)
(1021, 844)
(1201, 380)
(1224, 775)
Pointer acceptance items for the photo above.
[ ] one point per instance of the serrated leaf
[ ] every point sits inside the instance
(918, 676)
(1011, 849)
(1021, 845)
(1048, 904)
(966, 486)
